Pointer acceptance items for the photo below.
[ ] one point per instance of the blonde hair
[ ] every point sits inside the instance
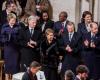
(10, 16)
(49, 30)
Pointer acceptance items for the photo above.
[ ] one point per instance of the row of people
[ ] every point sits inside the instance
(32, 44)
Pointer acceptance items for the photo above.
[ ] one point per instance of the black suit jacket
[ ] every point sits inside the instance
(82, 29)
(96, 42)
(49, 24)
(3, 17)
(58, 27)
(74, 43)
(28, 54)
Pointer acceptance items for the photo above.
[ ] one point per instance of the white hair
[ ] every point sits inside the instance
(32, 17)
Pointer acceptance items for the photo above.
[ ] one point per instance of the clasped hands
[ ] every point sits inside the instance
(32, 43)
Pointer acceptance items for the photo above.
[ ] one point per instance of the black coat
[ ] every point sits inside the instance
(89, 54)
(71, 59)
(49, 24)
(49, 59)
(49, 52)
(28, 54)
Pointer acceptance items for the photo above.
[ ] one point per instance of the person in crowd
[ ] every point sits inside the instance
(82, 72)
(71, 45)
(69, 75)
(30, 74)
(37, 6)
(84, 26)
(49, 55)
(45, 22)
(59, 26)
(4, 13)
(9, 35)
(90, 45)
(16, 6)
(24, 20)
(29, 39)
(60, 29)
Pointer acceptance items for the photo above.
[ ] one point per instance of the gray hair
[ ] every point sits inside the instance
(69, 74)
(32, 17)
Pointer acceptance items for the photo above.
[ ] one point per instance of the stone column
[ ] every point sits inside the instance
(77, 12)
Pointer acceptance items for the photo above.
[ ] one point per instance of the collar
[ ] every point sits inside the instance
(78, 77)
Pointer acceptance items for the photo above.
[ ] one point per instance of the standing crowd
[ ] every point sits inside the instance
(29, 38)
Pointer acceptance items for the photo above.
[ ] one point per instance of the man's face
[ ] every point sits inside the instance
(32, 23)
(94, 28)
(84, 76)
(35, 70)
(70, 28)
(62, 17)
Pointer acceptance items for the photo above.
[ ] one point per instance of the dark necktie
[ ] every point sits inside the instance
(31, 32)
(92, 38)
(70, 36)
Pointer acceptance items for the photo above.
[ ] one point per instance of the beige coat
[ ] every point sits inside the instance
(18, 10)
(31, 7)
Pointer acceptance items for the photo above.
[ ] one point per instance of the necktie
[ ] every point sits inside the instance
(31, 32)
(70, 36)
(92, 38)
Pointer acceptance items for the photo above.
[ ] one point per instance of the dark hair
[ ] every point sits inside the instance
(65, 13)
(35, 64)
(43, 13)
(82, 69)
(8, 3)
(84, 15)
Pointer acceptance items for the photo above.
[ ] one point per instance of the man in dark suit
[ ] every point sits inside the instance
(29, 41)
(72, 49)
(30, 74)
(90, 47)
(59, 26)
(82, 72)
(60, 29)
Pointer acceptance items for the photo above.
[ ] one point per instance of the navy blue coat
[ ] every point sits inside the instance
(11, 54)
(71, 59)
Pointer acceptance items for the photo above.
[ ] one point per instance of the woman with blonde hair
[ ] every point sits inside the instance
(9, 34)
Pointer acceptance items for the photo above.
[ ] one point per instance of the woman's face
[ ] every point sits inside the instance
(50, 36)
(88, 18)
(12, 21)
(45, 16)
